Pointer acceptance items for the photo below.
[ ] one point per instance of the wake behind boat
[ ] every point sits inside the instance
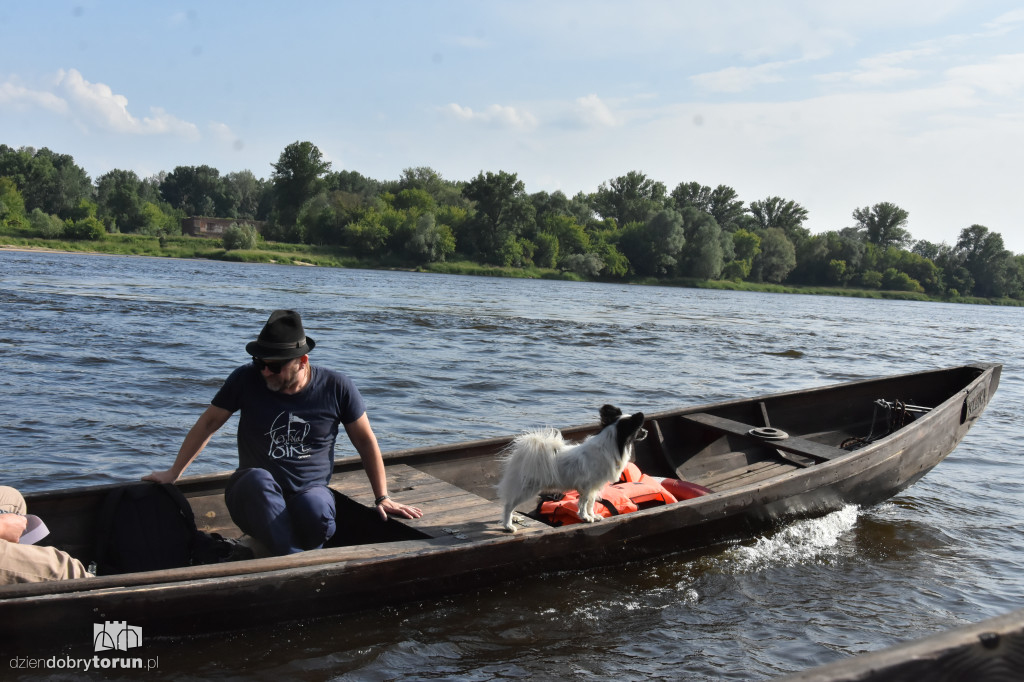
(767, 460)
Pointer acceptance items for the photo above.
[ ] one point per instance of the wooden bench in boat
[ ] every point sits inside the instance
(447, 509)
(819, 452)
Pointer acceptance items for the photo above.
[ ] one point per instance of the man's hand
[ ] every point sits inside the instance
(12, 526)
(389, 507)
(161, 476)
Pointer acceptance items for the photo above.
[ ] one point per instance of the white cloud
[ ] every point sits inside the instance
(496, 114)
(98, 105)
(460, 112)
(891, 59)
(740, 78)
(592, 112)
(17, 96)
(1007, 21)
(871, 77)
(1002, 76)
(223, 133)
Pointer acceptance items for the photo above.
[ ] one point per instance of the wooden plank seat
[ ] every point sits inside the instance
(795, 445)
(448, 511)
(737, 478)
(212, 515)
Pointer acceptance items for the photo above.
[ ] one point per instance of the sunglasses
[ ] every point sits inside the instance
(273, 367)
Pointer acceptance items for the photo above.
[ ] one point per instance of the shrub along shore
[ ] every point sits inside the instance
(328, 256)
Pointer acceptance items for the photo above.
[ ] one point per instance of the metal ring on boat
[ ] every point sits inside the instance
(768, 433)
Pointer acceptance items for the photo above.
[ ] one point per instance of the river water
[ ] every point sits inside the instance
(107, 361)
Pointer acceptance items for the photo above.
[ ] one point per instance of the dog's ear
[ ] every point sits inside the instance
(609, 414)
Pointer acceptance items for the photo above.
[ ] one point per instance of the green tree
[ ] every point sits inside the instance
(653, 247)
(45, 226)
(48, 181)
(297, 178)
(120, 206)
(727, 209)
(871, 279)
(615, 263)
(747, 244)
(894, 280)
(746, 247)
(572, 237)
(778, 256)
(240, 236)
(630, 198)
(355, 183)
(417, 201)
(430, 242)
(455, 217)
(584, 265)
(248, 194)
(367, 236)
(503, 213)
(546, 255)
(702, 256)
(12, 204)
(926, 249)
(837, 272)
(922, 270)
(1016, 277)
(154, 221)
(884, 224)
(443, 192)
(983, 255)
(776, 212)
(812, 261)
(323, 218)
(199, 191)
(85, 229)
(551, 205)
(721, 203)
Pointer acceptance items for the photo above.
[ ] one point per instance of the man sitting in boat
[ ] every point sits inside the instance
(22, 562)
(289, 416)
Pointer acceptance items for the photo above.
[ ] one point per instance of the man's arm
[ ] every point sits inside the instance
(198, 436)
(365, 443)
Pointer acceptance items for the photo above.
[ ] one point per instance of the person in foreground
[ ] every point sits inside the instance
(29, 563)
(290, 411)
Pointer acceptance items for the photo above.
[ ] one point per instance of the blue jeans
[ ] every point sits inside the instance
(284, 523)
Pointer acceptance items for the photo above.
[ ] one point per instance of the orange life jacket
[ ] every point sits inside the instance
(634, 491)
(681, 490)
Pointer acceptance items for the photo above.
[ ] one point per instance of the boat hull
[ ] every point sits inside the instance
(338, 579)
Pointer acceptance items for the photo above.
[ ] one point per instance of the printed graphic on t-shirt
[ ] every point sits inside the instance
(288, 437)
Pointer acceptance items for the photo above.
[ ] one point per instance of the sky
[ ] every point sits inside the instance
(834, 105)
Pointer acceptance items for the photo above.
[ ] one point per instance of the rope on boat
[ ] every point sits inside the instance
(896, 413)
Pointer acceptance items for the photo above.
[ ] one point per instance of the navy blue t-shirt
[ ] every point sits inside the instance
(291, 436)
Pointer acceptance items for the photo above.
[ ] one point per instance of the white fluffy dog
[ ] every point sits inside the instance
(541, 461)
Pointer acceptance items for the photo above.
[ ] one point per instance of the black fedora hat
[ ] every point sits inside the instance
(282, 338)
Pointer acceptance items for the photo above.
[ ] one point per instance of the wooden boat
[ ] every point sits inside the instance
(992, 649)
(768, 460)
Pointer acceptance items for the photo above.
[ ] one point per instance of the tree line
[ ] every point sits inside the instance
(631, 227)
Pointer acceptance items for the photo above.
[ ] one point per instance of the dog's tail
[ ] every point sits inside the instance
(529, 461)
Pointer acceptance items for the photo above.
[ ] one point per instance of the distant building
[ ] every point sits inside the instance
(199, 226)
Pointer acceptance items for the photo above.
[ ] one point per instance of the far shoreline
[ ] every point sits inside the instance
(473, 270)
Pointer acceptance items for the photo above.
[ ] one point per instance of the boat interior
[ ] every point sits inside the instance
(721, 447)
